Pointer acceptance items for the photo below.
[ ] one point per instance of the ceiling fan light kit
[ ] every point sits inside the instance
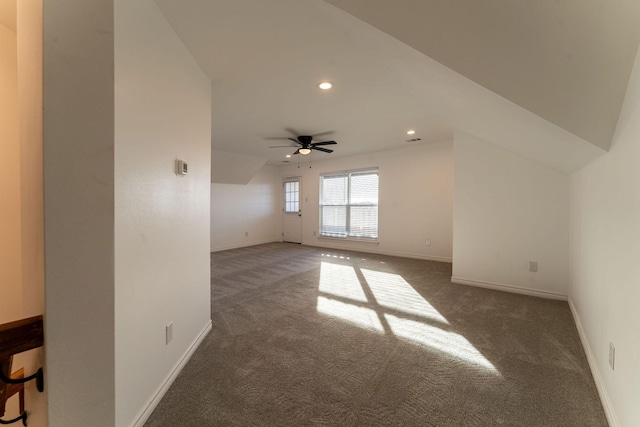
(304, 151)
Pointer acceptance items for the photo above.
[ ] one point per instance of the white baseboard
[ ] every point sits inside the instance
(595, 371)
(509, 288)
(243, 245)
(356, 247)
(153, 402)
(366, 248)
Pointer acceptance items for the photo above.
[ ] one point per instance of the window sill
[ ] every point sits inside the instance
(371, 242)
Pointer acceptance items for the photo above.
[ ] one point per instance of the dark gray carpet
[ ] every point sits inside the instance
(306, 336)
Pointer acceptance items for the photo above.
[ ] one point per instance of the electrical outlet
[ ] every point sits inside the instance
(428, 243)
(612, 356)
(169, 332)
(314, 232)
(246, 234)
(533, 266)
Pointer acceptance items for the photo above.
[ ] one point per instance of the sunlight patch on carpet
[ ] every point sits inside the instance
(381, 301)
(341, 281)
(392, 291)
(448, 342)
(359, 316)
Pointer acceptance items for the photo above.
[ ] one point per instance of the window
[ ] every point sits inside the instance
(349, 204)
(292, 196)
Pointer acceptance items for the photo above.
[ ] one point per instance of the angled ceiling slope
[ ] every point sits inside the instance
(567, 61)
(433, 66)
(233, 168)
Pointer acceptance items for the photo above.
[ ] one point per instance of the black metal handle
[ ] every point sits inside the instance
(22, 417)
(38, 376)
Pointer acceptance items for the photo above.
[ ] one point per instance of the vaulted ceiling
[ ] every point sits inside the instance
(546, 78)
(567, 61)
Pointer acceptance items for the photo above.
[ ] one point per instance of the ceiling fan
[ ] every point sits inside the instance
(304, 141)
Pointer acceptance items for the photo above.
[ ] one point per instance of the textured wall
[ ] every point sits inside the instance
(509, 210)
(162, 113)
(254, 209)
(79, 212)
(605, 207)
(415, 199)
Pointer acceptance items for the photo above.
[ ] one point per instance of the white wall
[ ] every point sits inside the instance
(605, 249)
(162, 113)
(415, 199)
(509, 210)
(79, 212)
(254, 208)
(126, 239)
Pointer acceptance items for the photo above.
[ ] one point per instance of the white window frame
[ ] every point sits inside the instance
(284, 193)
(348, 174)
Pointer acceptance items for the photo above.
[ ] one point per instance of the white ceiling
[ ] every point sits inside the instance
(265, 58)
(568, 61)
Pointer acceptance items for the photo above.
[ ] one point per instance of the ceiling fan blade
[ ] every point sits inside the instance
(324, 143)
(292, 131)
(326, 150)
(282, 146)
(329, 132)
(297, 152)
(294, 140)
(275, 138)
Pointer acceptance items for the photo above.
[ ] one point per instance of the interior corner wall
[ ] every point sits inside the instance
(21, 189)
(29, 44)
(245, 215)
(415, 199)
(605, 249)
(79, 212)
(509, 210)
(162, 266)
(10, 221)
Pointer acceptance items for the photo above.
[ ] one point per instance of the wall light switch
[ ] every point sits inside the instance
(533, 266)
(428, 242)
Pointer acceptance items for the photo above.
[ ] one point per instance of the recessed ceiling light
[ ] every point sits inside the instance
(411, 132)
(288, 155)
(325, 85)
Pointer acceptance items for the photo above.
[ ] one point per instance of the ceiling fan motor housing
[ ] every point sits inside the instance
(305, 140)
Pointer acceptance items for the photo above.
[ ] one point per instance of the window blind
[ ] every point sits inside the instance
(349, 204)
